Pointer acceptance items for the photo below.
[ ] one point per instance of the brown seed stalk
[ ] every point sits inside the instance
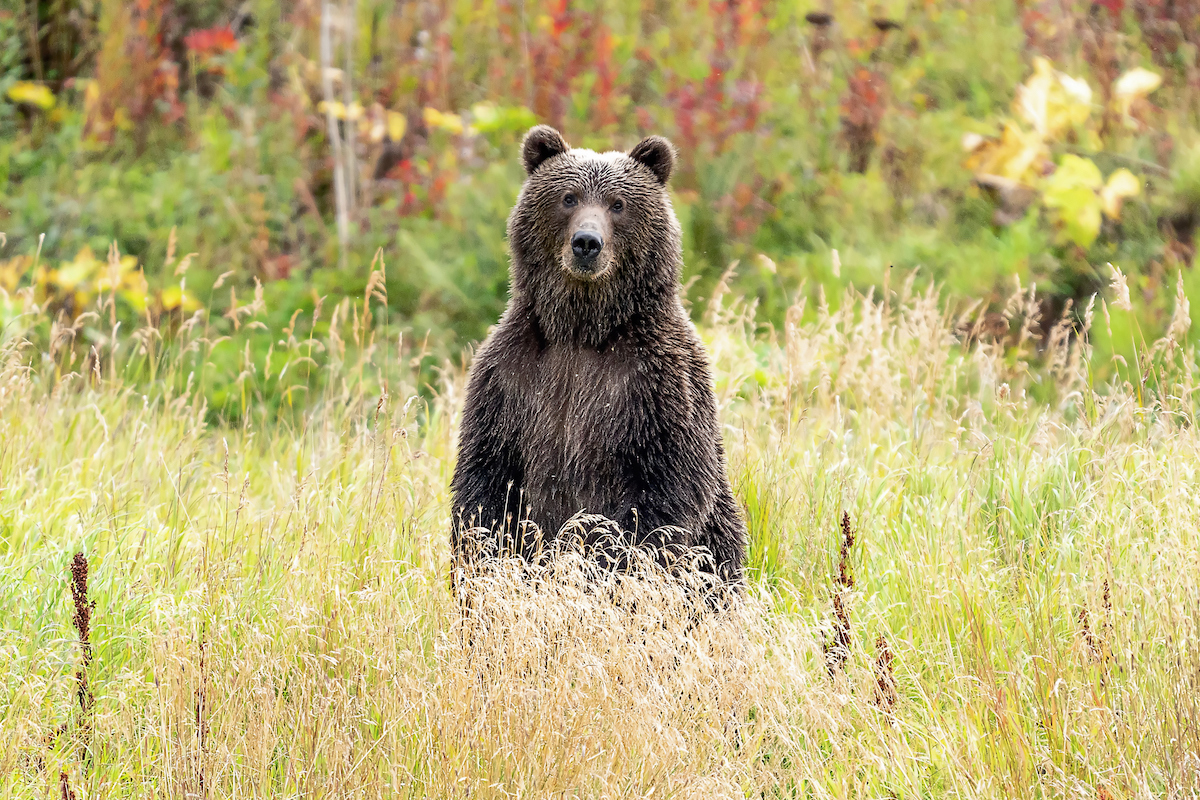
(1107, 608)
(82, 620)
(65, 785)
(837, 648)
(1089, 638)
(845, 575)
(885, 675)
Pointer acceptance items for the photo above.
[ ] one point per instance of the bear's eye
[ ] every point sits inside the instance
(570, 200)
(618, 206)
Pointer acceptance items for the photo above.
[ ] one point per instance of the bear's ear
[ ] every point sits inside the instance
(657, 154)
(540, 143)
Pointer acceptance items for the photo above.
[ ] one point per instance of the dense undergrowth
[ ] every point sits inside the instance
(973, 573)
(805, 131)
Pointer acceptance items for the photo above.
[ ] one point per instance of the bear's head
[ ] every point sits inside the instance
(593, 237)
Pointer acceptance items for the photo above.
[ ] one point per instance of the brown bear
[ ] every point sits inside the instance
(593, 393)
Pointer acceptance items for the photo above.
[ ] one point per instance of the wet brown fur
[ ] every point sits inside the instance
(594, 392)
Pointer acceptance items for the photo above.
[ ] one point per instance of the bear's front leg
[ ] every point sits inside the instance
(486, 500)
(674, 468)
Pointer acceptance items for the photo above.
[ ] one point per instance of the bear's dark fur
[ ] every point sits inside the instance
(594, 393)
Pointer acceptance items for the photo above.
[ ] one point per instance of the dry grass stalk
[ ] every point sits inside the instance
(201, 699)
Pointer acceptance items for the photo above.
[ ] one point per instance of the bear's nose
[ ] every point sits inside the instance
(586, 245)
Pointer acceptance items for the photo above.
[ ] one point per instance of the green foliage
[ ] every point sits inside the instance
(795, 139)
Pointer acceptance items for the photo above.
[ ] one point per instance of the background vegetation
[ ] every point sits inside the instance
(971, 142)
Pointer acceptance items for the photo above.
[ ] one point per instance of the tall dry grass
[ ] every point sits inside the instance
(1017, 613)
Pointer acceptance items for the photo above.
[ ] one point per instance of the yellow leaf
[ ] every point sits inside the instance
(78, 271)
(1071, 192)
(1121, 184)
(172, 298)
(1137, 82)
(339, 109)
(135, 299)
(396, 125)
(43, 277)
(1018, 155)
(124, 277)
(12, 270)
(1052, 102)
(31, 94)
(1134, 85)
(446, 121)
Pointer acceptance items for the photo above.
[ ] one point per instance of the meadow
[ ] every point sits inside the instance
(973, 573)
(942, 253)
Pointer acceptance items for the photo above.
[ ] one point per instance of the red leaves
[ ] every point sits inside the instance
(862, 111)
(208, 42)
(135, 77)
(568, 43)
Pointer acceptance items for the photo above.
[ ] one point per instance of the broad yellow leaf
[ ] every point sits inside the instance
(1137, 82)
(446, 121)
(396, 125)
(174, 297)
(82, 268)
(1072, 193)
(135, 299)
(1018, 155)
(1121, 184)
(339, 109)
(12, 270)
(31, 94)
(1052, 102)
(1134, 85)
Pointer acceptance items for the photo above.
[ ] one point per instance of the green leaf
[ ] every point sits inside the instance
(1072, 193)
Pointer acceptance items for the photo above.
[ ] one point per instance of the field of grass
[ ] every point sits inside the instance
(267, 606)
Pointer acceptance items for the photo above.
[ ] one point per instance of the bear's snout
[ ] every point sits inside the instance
(586, 245)
(586, 253)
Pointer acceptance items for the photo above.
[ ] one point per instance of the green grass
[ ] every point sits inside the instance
(272, 613)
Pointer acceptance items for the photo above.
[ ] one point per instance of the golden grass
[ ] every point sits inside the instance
(273, 615)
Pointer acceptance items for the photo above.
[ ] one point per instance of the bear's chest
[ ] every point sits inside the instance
(583, 411)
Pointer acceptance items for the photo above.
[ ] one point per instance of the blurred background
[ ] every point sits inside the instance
(264, 154)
